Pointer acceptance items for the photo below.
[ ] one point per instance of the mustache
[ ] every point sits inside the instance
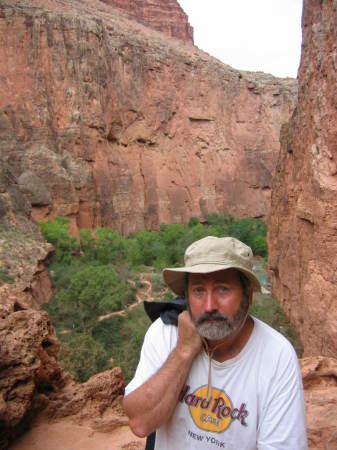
(205, 317)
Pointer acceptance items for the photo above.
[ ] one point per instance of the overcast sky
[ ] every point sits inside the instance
(249, 34)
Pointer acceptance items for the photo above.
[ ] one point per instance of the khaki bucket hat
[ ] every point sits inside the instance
(212, 254)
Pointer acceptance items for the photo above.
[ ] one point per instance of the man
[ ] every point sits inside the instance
(221, 379)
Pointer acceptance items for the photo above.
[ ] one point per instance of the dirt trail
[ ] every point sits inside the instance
(145, 293)
(67, 435)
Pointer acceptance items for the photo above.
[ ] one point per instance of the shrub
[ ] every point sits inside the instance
(219, 220)
(93, 290)
(259, 246)
(250, 231)
(191, 234)
(268, 310)
(193, 222)
(88, 244)
(170, 236)
(122, 338)
(83, 356)
(56, 232)
(110, 246)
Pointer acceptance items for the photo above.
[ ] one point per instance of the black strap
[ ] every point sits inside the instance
(150, 441)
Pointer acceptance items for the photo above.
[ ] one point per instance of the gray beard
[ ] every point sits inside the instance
(216, 326)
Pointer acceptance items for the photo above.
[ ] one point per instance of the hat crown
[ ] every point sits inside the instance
(222, 251)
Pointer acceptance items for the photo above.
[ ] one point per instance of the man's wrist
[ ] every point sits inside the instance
(185, 353)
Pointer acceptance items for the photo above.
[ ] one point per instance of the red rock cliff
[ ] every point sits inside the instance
(303, 223)
(111, 124)
(162, 15)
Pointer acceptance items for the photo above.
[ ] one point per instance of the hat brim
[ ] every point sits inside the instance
(175, 277)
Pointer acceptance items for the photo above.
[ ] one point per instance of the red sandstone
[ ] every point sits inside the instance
(303, 219)
(112, 124)
(165, 16)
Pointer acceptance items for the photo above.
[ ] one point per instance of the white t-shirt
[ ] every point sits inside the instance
(257, 397)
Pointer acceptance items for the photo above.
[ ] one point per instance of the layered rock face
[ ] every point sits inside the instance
(22, 248)
(165, 16)
(110, 124)
(303, 222)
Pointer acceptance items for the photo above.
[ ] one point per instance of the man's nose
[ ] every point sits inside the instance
(211, 302)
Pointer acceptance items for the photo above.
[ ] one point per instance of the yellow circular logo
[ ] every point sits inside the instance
(211, 414)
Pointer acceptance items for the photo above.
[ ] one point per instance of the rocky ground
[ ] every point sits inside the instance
(72, 433)
(65, 434)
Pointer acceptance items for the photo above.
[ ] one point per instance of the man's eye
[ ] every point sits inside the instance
(198, 291)
(222, 289)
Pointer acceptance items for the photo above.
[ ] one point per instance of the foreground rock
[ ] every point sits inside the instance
(320, 387)
(32, 381)
(112, 124)
(28, 367)
(302, 228)
(83, 417)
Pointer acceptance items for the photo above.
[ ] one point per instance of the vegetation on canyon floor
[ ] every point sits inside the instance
(100, 278)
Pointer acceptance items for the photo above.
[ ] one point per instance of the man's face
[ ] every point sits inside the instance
(216, 303)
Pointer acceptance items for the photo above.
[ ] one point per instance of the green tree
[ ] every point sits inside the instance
(56, 232)
(88, 244)
(143, 248)
(93, 290)
(110, 246)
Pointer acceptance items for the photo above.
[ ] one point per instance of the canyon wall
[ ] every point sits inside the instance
(112, 124)
(303, 221)
(165, 16)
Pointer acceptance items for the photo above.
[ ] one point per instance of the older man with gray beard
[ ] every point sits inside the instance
(222, 378)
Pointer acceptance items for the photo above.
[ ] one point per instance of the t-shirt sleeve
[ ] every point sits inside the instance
(159, 341)
(282, 425)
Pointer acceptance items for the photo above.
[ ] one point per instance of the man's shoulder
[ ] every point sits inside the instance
(158, 331)
(272, 339)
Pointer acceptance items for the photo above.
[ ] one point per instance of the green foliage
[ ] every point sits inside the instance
(247, 230)
(5, 277)
(95, 276)
(88, 244)
(110, 247)
(171, 236)
(193, 222)
(92, 290)
(219, 220)
(269, 311)
(122, 338)
(61, 274)
(56, 232)
(83, 356)
(259, 246)
(191, 234)
(144, 248)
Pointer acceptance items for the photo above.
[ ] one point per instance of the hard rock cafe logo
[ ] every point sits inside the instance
(215, 413)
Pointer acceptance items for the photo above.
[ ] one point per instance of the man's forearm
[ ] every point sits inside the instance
(152, 404)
